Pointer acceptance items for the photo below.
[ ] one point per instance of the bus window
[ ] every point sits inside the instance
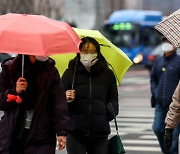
(123, 38)
(150, 37)
(133, 31)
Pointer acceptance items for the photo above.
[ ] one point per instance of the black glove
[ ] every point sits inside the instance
(168, 139)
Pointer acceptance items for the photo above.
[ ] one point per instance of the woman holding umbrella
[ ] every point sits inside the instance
(34, 106)
(92, 97)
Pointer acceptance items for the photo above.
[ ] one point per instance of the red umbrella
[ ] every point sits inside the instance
(36, 35)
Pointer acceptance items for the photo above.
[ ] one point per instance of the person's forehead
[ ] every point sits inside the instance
(89, 46)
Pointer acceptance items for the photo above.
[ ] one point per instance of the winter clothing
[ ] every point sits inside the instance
(165, 75)
(159, 129)
(76, 144)
(168, 135)
(44, 95)
(163, 83)
(93, 91)
(90, 111)
(172, 118)
(173, 115)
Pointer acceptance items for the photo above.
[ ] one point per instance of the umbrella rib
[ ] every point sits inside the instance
(58, 27)
(3, 29)
(175, 31)
(168, 33)
(28, 19)
(104, 45)
(9, 24)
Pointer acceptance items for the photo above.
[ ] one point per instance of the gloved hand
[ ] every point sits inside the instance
(168, 139)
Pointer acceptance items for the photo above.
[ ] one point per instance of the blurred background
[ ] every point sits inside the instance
(129, 24)
(136, 37)
(86, 14)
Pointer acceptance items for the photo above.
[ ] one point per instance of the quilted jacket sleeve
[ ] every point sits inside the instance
(173, 115)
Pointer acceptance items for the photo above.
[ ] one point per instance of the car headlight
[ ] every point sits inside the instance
(138, 59)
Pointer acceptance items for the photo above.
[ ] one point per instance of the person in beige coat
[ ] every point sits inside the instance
(172, 118)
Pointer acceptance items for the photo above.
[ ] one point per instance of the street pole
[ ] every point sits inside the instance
(100, 14)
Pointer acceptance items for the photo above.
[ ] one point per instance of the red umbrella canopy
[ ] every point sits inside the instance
(36, 35)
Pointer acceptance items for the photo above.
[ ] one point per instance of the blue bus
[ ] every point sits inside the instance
(133, 31)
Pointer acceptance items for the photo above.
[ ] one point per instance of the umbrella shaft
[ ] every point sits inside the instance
(22, 65)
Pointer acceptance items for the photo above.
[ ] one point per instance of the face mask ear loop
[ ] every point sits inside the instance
(94, 60)
(72, 87)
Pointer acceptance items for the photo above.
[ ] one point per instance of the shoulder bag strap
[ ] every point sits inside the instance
(115, 120)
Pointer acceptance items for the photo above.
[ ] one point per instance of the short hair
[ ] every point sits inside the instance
(86, 40)
(163, 38)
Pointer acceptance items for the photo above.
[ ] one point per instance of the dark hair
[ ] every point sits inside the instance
(163, 38)
(88, 39)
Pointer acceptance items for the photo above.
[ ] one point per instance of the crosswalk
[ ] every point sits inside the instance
(135, 129)
(135, 83)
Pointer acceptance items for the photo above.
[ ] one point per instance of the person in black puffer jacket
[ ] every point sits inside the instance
(165, 75)
(90, 90)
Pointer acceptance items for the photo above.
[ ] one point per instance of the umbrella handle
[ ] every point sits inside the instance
(23, 65)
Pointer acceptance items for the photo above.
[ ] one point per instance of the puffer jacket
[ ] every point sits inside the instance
(173, 115)
(93, 91)
(163, 83)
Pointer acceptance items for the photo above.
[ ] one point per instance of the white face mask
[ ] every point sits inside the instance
(167, 47)
(88, 60)
(42, 58)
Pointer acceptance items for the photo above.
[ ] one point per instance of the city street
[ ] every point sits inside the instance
(142, 30)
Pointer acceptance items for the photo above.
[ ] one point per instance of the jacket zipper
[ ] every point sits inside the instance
(90, 95)
(165, 64)
(164, 87)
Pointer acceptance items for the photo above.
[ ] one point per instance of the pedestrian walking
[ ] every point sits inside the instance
(90, 88)
(172, 118)
(35, 108)
(165, 75)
